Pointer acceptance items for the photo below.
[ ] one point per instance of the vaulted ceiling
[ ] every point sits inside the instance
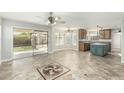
(73, 19)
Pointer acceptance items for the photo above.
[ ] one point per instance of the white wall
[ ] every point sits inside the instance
(7, 35)
(0, 39)
(122, 42)
(50, 40)
(116, 41)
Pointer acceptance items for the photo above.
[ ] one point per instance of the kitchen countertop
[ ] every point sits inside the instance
(101, 40)
(98, 44)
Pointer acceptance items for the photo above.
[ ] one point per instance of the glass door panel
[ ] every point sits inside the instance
(39, 41)
(22, 43)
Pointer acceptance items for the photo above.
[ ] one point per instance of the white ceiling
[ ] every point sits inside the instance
(73, 19)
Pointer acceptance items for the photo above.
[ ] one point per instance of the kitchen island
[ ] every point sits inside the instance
(99, 49)
(84, 45)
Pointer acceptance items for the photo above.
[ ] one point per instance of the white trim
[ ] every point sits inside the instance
(12, 49)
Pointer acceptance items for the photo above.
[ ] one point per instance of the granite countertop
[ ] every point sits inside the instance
(98, 44)
(100, 40)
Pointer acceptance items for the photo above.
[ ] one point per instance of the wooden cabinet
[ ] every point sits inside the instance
(109, 49)
(105, 34)
(84, 46)
(82, 34)
(81, 46)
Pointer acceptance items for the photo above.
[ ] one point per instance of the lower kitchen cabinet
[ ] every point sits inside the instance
(84, 46)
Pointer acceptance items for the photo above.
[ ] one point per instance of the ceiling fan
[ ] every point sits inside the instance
(53, 20)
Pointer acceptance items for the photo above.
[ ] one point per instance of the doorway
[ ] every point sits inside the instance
(27, 42)
(22, 43)
(39, 42)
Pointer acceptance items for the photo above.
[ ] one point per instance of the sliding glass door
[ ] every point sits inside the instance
(22, 43)
(39, 42)
(27, 42)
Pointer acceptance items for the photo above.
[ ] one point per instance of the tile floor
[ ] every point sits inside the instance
(83, 65)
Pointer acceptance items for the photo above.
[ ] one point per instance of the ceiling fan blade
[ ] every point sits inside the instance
(52, 20)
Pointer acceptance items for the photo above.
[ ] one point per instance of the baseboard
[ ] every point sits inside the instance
(60, 49)
(6, 60)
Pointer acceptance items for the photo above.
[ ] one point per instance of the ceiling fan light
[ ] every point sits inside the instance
(51, 19)
(56, 18)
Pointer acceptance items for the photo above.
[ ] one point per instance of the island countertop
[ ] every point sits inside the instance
(100, 40)
(99, 44)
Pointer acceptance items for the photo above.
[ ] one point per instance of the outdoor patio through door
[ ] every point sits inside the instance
(27, 42)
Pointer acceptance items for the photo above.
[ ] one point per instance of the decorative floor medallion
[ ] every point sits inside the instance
(52, 71)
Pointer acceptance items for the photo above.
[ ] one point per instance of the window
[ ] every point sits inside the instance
(68, 38)
(74, 38)
(93, 35)
(65, 38)
(59, 39)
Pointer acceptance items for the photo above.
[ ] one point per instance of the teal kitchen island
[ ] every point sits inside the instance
(99, 49)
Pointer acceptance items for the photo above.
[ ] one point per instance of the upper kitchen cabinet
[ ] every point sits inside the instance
(105, 34)
(82, 33)
(101, 34)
